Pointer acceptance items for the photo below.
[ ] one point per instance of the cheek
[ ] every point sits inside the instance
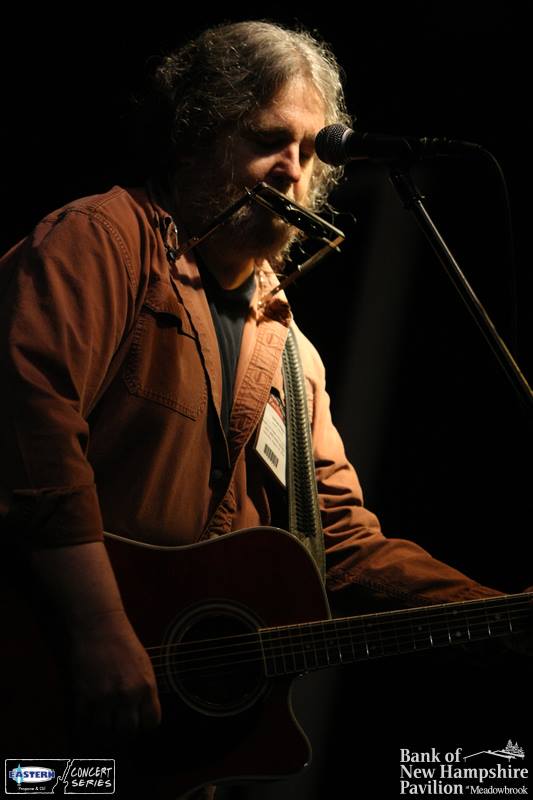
(259, 169)
(251, 166)
(245, 170)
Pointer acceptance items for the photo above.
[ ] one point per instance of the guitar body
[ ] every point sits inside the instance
(224, 681)
(223, 719)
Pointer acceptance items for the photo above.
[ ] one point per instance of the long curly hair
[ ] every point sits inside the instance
(219, 79)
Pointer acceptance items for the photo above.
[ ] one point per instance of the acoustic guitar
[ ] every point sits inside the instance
(228, 624)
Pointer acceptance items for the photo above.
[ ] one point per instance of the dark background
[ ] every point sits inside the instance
(436, 433)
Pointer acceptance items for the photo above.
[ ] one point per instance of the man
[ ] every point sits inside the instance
(138, 383)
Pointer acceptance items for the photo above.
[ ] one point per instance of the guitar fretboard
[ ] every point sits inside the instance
(292, 649)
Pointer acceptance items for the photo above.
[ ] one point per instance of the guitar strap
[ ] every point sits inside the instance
(304, 513)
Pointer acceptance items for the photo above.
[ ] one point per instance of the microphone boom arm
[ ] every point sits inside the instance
(412, 201)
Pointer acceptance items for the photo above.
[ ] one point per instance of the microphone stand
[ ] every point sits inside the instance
(413, 202)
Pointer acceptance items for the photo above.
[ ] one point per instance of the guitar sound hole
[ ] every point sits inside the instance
(214, 660)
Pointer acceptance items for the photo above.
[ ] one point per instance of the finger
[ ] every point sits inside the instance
(94, 724)
(150, 711)
(126, 719)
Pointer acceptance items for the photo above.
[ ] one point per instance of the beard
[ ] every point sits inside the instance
(253, 231)
(258, 233)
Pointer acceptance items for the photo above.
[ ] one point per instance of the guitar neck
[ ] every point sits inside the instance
(293, 649)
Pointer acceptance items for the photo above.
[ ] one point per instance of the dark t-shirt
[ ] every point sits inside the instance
(229, 308)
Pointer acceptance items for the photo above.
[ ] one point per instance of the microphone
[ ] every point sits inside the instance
(337, 144)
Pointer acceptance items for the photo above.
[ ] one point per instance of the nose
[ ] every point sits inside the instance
(288, 168)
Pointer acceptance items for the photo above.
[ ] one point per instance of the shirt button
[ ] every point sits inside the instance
(218, 477)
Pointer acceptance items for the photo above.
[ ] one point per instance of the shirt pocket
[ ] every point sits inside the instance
(164, 364)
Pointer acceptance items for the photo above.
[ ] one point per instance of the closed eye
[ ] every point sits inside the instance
(269, 141)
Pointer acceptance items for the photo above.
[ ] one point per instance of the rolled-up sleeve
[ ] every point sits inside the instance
(66, 298)
(359, 555)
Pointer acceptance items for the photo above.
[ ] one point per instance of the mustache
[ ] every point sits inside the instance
(280, 183)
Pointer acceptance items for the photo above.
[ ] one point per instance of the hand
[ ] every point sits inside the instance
(115, 693)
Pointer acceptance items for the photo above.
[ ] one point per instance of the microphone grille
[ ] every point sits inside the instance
(329, 144)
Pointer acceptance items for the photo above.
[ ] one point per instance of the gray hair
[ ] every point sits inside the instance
(218, 80)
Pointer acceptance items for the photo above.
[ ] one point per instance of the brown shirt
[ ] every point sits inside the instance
(147, 458)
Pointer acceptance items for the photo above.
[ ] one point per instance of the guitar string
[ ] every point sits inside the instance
(378, 642)
(430, 615)
(272, 650)
(366, 654)
(300, 664)
(309, 635)
(313, 649)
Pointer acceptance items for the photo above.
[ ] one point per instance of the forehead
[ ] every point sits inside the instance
(297, 108)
